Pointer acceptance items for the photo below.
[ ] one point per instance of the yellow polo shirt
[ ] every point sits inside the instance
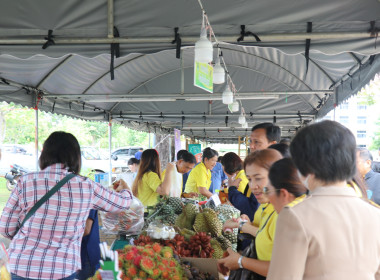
(148, 188)
(265, 219)
(200, 176)
(243, 182)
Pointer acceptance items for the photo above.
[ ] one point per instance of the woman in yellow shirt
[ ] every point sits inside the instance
(148, 185)
(199, 180)
(233, 167)
(284, 187)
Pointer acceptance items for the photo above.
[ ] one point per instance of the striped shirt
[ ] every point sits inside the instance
(48, 245)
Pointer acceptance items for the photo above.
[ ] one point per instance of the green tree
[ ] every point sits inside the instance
(375, 145)
(17, 126)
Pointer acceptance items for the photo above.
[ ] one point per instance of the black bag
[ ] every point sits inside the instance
(245, 274)
(249, 252)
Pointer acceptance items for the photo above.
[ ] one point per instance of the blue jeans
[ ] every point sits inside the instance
(15, 277)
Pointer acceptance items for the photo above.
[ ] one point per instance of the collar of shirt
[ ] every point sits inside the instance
(333, 191)
(56, 168)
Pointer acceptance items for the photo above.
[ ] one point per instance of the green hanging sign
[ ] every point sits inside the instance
(203, 77)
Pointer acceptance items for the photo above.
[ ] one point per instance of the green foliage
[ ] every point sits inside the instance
(375, 145)
(18, 127)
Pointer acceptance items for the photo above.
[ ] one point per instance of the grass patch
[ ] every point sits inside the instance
(4, 194)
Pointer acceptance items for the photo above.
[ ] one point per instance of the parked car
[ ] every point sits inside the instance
(12, 154)
(94, 160)
(121, 156)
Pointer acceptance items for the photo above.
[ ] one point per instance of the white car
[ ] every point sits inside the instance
(121, 156)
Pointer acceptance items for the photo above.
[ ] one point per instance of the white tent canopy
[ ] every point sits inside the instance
(152, 90)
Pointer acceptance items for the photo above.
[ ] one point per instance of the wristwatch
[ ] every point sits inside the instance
(239, 262)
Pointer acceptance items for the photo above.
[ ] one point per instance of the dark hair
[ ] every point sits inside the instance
(220, 158)
(326, 149)
(273, 132)
(282, 148)
(283, 174)
(232, 163)
(133, 160)
(149, 162)
(61, 147)
(209, 153)
(180, 153)
(189, 157)
(365, 154)
(263, 158)
(286, 141)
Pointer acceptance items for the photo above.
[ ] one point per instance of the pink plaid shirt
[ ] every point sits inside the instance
(48, 245)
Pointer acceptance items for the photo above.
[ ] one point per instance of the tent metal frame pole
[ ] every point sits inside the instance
(109, 150)
(192, 39)
(187, 95)
(254, 115)
(110, 16)
(36, 135)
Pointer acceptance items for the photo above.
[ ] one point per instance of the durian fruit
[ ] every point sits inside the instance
(218, 251)
(176, 204)
(224, 242)
(214, 225)
(187, 233)
(200, 223)
(186, 219)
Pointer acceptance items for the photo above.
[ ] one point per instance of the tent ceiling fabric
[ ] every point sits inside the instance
(153, 90)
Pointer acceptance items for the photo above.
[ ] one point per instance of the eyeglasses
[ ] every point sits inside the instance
(266, 190)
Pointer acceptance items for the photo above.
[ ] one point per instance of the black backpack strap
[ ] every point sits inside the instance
(46, 197)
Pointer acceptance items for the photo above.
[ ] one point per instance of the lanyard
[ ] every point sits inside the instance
(260, 229)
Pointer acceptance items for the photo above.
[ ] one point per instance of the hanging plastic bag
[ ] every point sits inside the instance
(4, 267)
(129, 222)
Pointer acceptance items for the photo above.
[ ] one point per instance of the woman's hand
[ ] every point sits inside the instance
(231, 223)
(170, 167)
(244, 217)
(233, 182)
(120, 185)
(231, 261)
(189, 195)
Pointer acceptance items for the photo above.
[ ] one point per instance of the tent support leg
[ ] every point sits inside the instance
(109, 151)
(36, 136)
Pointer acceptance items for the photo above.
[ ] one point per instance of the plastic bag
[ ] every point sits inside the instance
(156, 230)
(4, 267)
(129, 222)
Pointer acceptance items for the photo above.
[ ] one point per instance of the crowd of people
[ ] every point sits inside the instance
(309, 206)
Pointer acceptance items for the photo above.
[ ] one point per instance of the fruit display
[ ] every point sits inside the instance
(148, 262)
(187, 217)
(165, 211)
(193, 273)
(159, 231)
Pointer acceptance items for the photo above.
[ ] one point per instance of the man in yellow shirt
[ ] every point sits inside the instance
(183, 165)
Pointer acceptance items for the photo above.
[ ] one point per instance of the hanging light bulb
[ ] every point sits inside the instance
(241, 119)
(227, 96)
(219, 74)
(235, 106)
(203, 48)
(245, 125)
